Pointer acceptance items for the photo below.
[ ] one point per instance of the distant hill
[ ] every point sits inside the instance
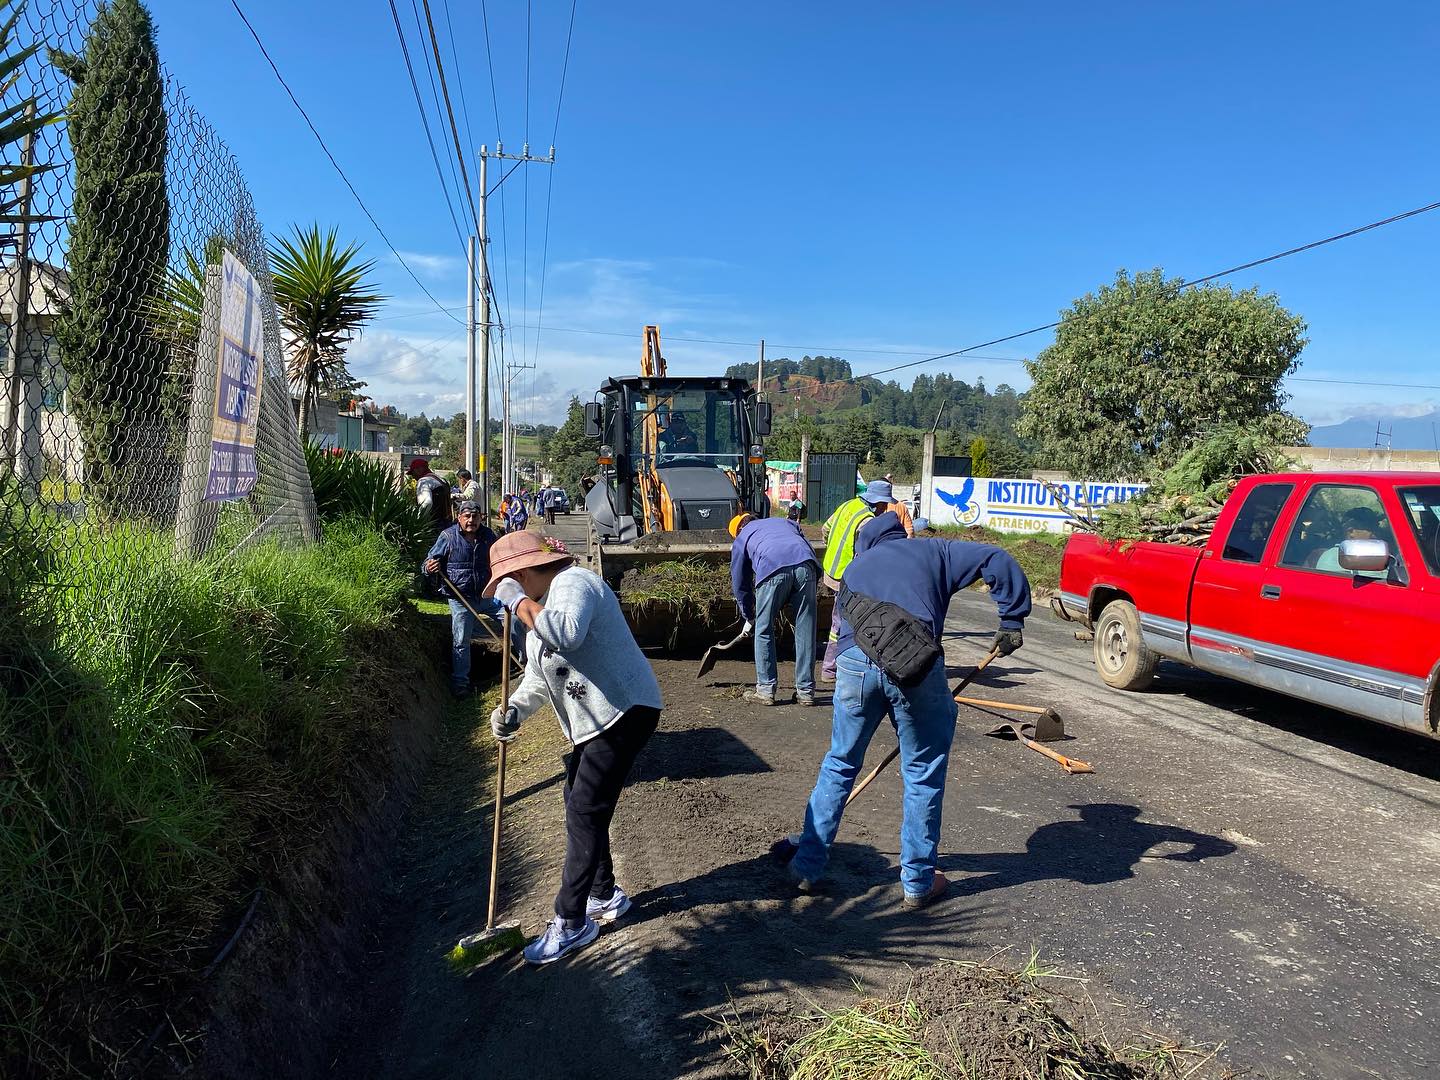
(1406, 432)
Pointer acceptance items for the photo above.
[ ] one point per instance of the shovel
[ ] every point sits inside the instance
(712, 654)
(493, 939)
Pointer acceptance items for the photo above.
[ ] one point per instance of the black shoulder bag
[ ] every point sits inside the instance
(901, 645)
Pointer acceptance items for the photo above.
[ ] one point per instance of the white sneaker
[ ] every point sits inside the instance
(557, 941)
(607, 911)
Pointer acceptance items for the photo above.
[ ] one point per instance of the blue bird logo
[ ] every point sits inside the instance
(965, 511)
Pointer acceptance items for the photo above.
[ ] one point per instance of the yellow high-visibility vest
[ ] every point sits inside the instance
(841, 528)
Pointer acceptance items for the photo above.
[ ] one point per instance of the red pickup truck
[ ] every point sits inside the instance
(1323, 586)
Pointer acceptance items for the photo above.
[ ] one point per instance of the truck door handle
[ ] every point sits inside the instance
(1270, 592)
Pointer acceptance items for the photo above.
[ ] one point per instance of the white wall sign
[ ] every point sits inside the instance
(1018, 505)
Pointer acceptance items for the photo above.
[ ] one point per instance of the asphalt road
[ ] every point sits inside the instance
(1259, 871)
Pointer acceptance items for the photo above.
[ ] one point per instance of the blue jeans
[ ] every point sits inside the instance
(924, 719)
(463, 627)
(794, 585)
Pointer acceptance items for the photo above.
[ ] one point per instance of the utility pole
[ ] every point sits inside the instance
(479, 282)
(507, 478)
(507, 470)
(760, 372)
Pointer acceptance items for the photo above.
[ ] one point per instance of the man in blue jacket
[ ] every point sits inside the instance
(920, 576)
(771, 565)
(462, 553)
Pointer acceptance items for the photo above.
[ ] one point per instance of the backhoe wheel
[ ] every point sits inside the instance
(1122, 658)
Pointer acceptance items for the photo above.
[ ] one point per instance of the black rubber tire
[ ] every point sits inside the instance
(1122, 658)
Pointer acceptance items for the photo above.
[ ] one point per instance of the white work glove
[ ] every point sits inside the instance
(747, 629)
(505, 723)
(509, 593)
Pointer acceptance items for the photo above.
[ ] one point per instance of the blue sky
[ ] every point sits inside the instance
(836, 180)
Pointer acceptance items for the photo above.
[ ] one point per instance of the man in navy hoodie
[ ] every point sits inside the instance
(462, 553)
(920, 576)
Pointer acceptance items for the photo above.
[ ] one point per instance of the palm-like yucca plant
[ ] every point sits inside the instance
(324, 300)
(348, 485)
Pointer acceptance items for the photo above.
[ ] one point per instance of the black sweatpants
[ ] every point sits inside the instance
(595, 772)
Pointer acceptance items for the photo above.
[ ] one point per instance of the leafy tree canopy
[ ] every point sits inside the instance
(1143, 369)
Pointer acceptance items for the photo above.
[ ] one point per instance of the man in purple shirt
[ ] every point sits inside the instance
(772, 565)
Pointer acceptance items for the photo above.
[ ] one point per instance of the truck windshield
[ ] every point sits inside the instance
(695, 427)
(1422, 509)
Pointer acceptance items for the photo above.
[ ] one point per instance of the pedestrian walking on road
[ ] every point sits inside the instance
(582, 661)
(462, 553)
(898, 590)
(548, 498)
(772, 566)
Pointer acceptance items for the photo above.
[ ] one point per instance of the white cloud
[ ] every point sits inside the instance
(433, 266)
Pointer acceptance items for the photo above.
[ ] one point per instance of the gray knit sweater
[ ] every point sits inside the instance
(582, 659)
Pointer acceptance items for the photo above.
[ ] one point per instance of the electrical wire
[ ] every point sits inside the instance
(450, 113)
(550, 181)
(435, 96)
(425, 120)
(320, 139)
(1182, 285)
(459, 75)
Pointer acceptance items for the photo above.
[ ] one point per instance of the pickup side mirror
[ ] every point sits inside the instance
(592, 419)
(1365, 556)
(763, 418)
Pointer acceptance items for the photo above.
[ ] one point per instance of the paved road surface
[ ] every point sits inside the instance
(1263, 871)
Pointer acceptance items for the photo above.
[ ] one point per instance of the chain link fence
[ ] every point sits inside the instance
(133, 388)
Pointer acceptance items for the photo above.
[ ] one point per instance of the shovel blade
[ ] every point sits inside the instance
(708, 661)
(1046, 727)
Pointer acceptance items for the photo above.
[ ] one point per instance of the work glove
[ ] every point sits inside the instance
(509, 593)
(747, 629)
(505, 723)
(1007, 641)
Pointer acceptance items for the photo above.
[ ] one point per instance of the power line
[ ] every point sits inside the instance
(314, 131)
(434, 92)
(425, 120)
(504, 212)
(1183, 285)
(550, 182)
(450, 112)
(459, 75)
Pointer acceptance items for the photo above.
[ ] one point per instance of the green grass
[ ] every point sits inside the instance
(170, 734)
(527, 446)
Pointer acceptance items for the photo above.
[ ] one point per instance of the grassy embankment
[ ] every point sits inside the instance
(172, 736)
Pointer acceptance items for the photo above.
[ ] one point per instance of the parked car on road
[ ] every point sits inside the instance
(562, 501)
(1322, 586)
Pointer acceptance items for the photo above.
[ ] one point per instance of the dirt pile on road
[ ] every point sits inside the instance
(953, 1020)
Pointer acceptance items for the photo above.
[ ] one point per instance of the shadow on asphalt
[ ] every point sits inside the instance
(696, 754)
(1104, 845)
(1397, 748)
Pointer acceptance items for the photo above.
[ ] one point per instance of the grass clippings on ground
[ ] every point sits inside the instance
(953, 1021)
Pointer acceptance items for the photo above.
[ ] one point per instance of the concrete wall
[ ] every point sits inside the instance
(1347, 459)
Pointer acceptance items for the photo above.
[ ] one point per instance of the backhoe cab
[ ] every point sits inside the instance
(678, 454)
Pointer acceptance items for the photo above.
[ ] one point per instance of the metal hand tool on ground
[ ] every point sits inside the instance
(1047, 719)
(493, 939)
(1033, 741)
(712, 654)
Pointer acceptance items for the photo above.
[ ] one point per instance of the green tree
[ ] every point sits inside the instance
(861, 434)
(324, 300)
(119, 246)
(1142, 369)
(979, 456)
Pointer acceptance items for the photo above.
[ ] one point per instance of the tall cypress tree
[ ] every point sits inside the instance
(119, 246)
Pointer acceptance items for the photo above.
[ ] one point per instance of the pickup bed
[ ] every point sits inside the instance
(1323, 586)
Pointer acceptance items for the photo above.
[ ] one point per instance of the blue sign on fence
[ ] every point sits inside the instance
(233, 468)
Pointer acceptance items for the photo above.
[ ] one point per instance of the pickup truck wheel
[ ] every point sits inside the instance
(1122, 658)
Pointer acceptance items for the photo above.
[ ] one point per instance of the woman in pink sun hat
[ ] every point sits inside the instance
(582, 660)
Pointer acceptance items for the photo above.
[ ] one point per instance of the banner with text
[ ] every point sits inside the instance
(1019, 505)
(237, 386)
